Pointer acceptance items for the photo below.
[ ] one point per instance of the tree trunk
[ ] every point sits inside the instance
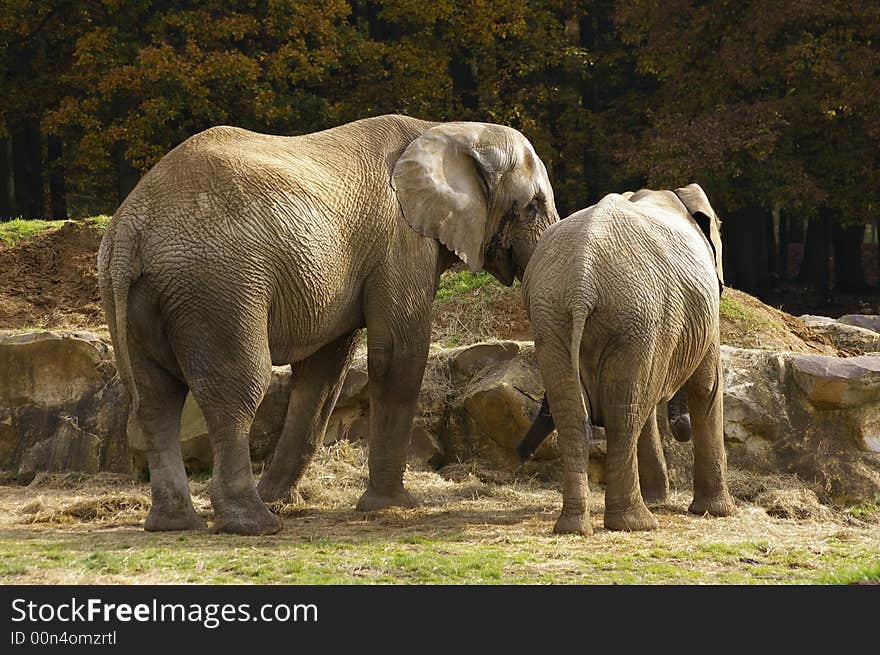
(7, 186)
(463, 71)
(782, 257)
(126, 175)
(57, 185)
(771, 250)
(848, 272)
(817, 252)
(27, 169)
(746, 265)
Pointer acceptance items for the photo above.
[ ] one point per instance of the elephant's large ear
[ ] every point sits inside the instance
(444, 181)
(697, 203)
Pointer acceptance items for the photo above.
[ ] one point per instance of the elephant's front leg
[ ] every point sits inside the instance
(397, 352)
(317, 382)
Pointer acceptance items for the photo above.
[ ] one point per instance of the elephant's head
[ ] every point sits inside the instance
(696, 202)
(479, 189)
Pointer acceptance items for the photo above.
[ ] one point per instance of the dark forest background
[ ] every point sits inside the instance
(774, 107)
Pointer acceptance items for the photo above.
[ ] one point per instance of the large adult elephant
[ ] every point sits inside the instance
(241, 250)
(623, 298)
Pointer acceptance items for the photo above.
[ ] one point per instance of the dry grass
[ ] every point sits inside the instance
(475, 525)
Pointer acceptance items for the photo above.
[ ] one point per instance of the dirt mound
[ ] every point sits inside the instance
(495, 312)
(51, 280)
(483, 314)
(746, 322)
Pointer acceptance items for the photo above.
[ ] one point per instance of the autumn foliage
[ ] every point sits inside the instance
(771, 106)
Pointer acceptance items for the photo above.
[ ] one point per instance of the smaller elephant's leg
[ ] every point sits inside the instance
(317, 383)
(566, 403)
(653, 476)
(396, 358)
(156, 428)
(705, 398)
(624, 418)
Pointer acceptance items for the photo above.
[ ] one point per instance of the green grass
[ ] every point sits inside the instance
(440, 559)
(20, 230)
(750, 320)
(456, 283)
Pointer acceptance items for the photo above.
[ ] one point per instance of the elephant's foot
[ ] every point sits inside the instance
(271, 490)
(251, 522)
(718, 505)
(574, 524)
(655, 497)
(372, 500)
(163, 520)
(636, 518)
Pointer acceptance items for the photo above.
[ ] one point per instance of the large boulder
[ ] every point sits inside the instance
(866, 321)
(755, 413)
(817, 416)
(848, 337)
(265, 430)
(62, 407)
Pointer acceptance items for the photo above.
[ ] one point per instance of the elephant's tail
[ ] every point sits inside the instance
(578, 321)
(119, 270)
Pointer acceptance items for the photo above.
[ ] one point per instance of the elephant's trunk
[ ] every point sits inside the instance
(541, 427)
(679, 417)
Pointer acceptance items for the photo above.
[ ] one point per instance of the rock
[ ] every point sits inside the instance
(52, 369)
(817, 416)
(843, 396)
(499, 404)
(195, 445)
(468, 361)
(845, 336)
(62, 408)
(834, 382)
(866, 321)
(812, 320)
(755, 413)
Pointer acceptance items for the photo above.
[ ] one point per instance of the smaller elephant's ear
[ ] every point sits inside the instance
(697, 203)
(443, 182)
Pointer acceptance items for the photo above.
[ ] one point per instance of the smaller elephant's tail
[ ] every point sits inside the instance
(578, 321)
(117, 268)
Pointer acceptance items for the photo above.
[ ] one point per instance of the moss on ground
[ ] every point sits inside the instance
(20, 230)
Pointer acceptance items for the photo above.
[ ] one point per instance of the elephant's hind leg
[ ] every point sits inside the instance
(573, 428)
(228, 384)
(653, 476)
(624, 420)
(705, 398)
(317, 382)
(156, 429)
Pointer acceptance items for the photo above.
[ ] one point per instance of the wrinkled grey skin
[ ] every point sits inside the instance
(241, 250)
(623, 299)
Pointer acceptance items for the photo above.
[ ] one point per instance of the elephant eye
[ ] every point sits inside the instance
(532, 209)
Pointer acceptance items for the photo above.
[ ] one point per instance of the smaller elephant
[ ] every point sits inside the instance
(623, 298)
